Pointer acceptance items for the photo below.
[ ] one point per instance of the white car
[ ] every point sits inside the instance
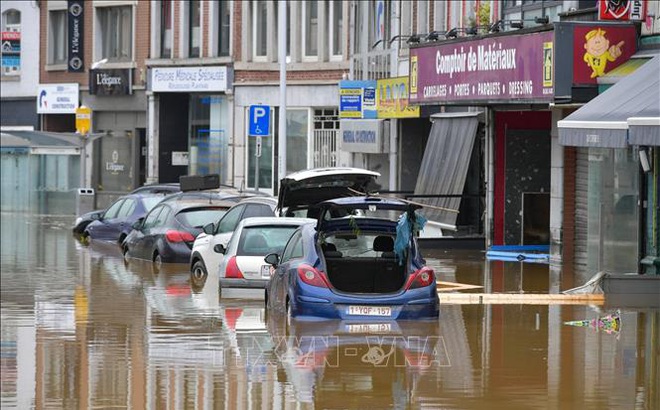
(203, 257)
(242, 265)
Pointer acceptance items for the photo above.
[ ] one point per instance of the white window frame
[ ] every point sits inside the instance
(440, 15)
(50, 65)
(215, 27)
(254, 14)
(406, 19)
(303, 14)
(332, 28)
(159, 29)
(98, 36)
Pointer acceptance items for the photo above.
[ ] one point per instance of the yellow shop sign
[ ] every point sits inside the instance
(392, 99)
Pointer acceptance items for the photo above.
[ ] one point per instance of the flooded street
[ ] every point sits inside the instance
(82, 329)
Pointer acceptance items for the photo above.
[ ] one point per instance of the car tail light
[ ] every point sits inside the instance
(179, 236)
(312, 276)
(421, 278)
(232, 270)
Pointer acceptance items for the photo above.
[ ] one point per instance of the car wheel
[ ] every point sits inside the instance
(158, 261)
(198, 274)
(124, 253)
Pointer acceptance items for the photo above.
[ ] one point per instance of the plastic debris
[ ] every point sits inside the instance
(410, 223)
(610, 324)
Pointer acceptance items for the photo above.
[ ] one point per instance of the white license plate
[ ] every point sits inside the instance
(265, 271)
(369, 311)
(370, 328)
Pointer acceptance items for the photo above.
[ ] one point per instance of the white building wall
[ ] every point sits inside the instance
(319, 95)
(26, 84)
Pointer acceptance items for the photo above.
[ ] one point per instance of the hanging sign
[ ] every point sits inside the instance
(75, 17)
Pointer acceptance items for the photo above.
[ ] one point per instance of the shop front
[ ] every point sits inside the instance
(312, 127)
(118, 134)
(617, 135)
(488, 152)
(189, 115)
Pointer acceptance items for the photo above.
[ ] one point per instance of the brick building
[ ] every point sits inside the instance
(97, 50)
(209, 61)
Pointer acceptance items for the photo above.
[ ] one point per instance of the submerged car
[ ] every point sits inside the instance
(242, 265)
(218, 233)
(115, 223)
(348, 268)
(85, 219)
(167, 232)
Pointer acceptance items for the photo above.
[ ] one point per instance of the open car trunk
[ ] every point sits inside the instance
(365, 275)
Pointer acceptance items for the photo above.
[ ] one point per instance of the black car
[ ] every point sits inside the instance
(85, 219)
(166, 234)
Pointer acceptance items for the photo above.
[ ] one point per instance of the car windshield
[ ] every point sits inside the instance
(262, 240)
(199, 217)
(151, 201)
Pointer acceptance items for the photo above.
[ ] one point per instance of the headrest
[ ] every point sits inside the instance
(383, 244)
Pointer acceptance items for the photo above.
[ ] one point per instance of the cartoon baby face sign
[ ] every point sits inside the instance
(599, 49)
(599, 52)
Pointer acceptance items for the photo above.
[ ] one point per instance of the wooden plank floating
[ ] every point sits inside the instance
(454, 286)
(519, 299)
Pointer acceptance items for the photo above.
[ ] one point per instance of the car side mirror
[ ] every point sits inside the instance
(272, 259)
(220, 248)
(96, 216)
(209, 228)
(138, 223)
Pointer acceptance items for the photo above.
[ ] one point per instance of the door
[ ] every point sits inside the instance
(143, 243)
(107, 228)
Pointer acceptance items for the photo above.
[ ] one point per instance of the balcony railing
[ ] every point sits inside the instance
(372, 65)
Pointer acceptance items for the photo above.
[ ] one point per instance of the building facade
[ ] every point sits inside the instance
(93, 54)
(19, 72)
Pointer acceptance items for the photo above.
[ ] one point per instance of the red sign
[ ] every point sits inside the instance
(622, 10)
(598, 49)
(11, 35)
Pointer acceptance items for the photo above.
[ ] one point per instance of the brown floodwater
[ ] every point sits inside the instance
(81, 329)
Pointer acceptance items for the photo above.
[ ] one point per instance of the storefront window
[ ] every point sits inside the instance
(297, 124)
(116, 170)
(613, 221)
(208, 135)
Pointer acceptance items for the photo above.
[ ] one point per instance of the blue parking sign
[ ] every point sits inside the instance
(259, 119)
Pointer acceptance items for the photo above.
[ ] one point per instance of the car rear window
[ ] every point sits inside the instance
(262, 240)
(199, 217)
(151, 201)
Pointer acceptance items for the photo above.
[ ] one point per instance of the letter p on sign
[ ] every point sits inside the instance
(259, 121)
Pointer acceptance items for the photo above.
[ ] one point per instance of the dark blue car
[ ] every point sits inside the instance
(117, 221)
(347, 267)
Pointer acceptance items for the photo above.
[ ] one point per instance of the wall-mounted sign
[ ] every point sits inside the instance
(57, 98)
(11, 52)
(622, 10)
(598, 49)
(511, 69)
(363, 136)
(392, 99)
(357, 99)
(75, 17)
(180, 158)
(188, 79)
(111, 81)
(83, 120)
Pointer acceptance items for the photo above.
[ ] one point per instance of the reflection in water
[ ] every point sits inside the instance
(81, 329)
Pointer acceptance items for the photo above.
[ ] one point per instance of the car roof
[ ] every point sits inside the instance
(198, 203)
(275, 221)
(158, 188)
(268, 200)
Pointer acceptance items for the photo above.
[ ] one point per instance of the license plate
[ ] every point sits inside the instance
(265, 271)
(370, 311)
(369, 328)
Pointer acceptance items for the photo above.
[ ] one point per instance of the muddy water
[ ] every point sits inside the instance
(82, 329)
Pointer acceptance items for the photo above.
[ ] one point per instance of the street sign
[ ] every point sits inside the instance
(259, 121)
(83, 120)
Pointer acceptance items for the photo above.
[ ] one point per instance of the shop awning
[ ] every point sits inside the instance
(604, 121)
(445, 164)
(40, 142)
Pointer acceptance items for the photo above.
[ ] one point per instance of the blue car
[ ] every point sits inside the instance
(116, 222)
(347, 268)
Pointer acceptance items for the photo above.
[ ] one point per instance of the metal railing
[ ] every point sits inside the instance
(372, 65)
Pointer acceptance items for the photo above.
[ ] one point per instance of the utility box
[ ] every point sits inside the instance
(85, 200)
